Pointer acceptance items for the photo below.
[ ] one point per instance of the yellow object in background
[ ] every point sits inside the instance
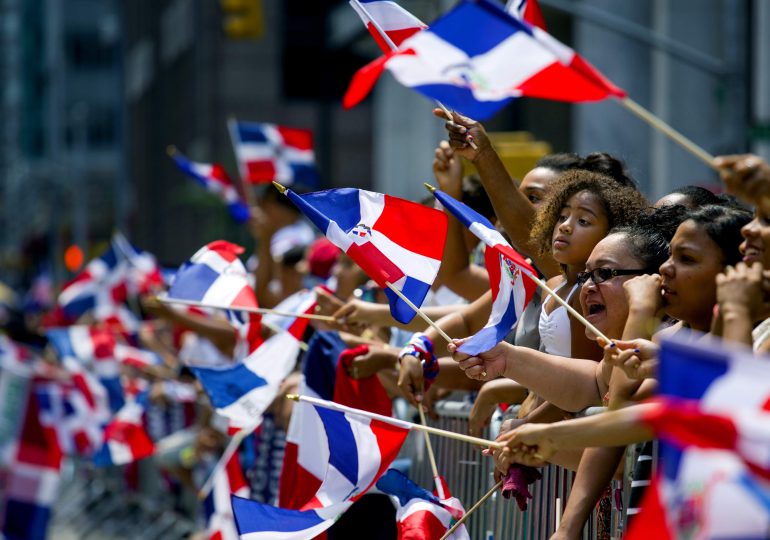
(519, 151)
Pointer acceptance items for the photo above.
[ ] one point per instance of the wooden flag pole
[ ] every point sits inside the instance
(431, 456)
(540, 283)
(666, 129)
(419, 312)
(473, 508)
(264, 311)
(396, 422)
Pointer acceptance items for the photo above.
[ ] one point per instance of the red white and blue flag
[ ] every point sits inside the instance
(243, 391)
(215, 275)
(511, 290)
(349, 453)
(269, 152)
(125, 437)
(301, 302)
(214, 179)
(714, 430)
(387, 22)
(527, 11)
(419, 513)
(478, 76)
(393, 240)
(228, 480)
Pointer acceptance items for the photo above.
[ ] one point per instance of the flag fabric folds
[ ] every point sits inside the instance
(480, 73)
(215, 275)
(268, 152)
(228, 481)
(125, 437)
(527, 11)
(714, 429)
(387, 22)
(511, 290)
(214, 179)
(347, 453)
(301, 302)
(241, 392)
(392, 240)
(420, 514)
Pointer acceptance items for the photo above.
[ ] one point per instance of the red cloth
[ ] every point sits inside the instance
(367, 394)
(516, 481)
(321, 257)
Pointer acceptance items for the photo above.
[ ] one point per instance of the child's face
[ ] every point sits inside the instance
(581, 224)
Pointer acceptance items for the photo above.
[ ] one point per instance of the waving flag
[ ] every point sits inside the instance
(350, 452)
(104, 279)
(392, 240)
(511, 291)
(215, 275)
(303, 301)
(125, 437)
(268, 152)
(243, 391)
(527, 11)
(387, 22)
(479, 73)
(144, 274)
(227, 481)
(714, 427)
(420, 514)
(214, 179)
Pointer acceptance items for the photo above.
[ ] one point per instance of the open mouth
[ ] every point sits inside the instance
(593, 309)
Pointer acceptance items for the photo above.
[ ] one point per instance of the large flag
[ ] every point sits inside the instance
(527, 11)
(392, 240)
(511, 291)
(214, 179)
(268, 152)
(478, 72)
(420, 514)
(350, 452)
(241, 392)
(387, 22)
(714, 428)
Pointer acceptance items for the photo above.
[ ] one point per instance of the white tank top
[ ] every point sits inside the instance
(554, 327)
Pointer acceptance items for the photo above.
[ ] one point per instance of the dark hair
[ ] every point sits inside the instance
(599, 162)
(723, 225)
(622, 204)
(475, 196)
(604, 163)
(696, 196)
(650, 236)
(293, 255)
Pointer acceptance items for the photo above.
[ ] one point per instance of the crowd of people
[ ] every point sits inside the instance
(637, 270)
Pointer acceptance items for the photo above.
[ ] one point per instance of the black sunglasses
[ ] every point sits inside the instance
(600, 275)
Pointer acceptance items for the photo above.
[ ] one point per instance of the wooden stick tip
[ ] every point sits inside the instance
(293, 397)
(429, 187)
(280, 187)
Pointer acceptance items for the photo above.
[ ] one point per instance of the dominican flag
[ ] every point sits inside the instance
(228, 481)
(511, 291)
(268, 152)
(387, 22)
(136, 357)
(478, 72)
(241, 392)
(349, 453)
(420, 514)
(301, 302)
(714, 428)
(125, 437)
(215, 276)
(392, 240)
(144, 274)
(527, 11)
(214, 179)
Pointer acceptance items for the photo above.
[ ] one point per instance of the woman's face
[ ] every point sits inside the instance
(756, 246)
(689, 276)
(579, 227)
(605, 305)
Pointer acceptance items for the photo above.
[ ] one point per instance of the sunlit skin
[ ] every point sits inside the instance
(535, 184)
(581, 224)
(689, 276)
(757, 240)
(605, 305)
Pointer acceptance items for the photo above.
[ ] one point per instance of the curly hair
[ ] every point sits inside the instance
(622, 204)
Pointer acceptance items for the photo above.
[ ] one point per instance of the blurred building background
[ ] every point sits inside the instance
(93, 91)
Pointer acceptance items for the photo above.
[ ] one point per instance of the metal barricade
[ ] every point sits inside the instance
(469, 475)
